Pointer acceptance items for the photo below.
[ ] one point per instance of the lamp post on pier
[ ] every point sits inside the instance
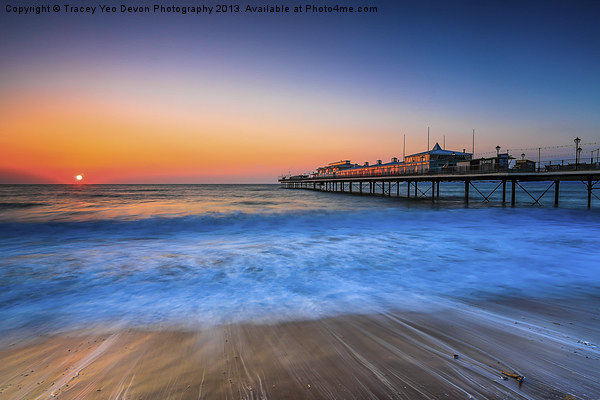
(577, 150)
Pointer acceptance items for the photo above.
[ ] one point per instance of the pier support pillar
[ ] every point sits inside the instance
(432, 190)
(503, 191)
(437, 192)
(589, 188)
(360, 187)
(513, 193)
(556, 192)
(397, 188)
(408, 189)
(467, 183)
(416, 193)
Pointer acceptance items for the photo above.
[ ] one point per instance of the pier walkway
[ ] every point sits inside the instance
(427, 185)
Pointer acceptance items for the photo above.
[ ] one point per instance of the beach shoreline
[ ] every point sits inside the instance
(457, 352)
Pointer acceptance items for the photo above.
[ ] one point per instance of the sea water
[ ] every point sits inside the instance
(75, 256)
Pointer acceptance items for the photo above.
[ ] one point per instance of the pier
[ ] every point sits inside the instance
(421, 176)
(428, 186)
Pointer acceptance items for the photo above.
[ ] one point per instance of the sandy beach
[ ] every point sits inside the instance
(455, 353)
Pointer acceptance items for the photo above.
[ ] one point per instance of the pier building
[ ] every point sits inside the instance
(436, 158)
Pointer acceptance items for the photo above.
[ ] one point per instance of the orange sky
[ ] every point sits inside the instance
(113, 140)
(60, 137)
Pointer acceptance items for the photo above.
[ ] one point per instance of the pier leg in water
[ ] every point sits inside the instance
(438, 190)
(467, 183)
(432, 190)
(556, 191)
(513, 193)
(504, 191)
(416, 194)
(589, 188)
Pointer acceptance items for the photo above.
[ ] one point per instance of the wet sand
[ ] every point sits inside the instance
(453, 353)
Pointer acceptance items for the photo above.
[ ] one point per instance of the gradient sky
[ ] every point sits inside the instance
(242, 98)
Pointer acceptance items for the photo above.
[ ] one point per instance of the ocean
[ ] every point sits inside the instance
(77, 256)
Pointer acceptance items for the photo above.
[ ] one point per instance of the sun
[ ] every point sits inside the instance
(79, 177)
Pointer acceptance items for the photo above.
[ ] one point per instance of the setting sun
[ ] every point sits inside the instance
(79, 177)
